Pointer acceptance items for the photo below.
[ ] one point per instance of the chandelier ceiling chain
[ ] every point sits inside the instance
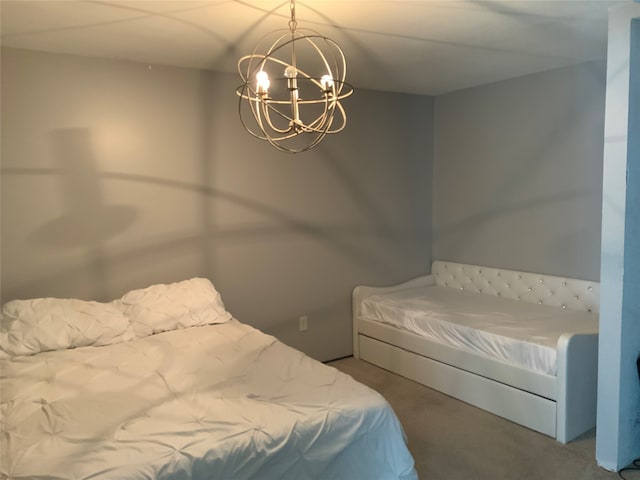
(291, 94)
(292, 23)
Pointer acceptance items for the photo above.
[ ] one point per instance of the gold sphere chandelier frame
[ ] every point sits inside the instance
(291, 107)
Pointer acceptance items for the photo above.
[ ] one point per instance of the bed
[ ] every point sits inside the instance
(517, 344)
(165, 384)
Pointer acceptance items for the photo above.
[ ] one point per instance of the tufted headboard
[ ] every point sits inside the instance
(528, 287)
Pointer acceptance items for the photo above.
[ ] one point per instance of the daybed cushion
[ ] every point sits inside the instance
(517, 332)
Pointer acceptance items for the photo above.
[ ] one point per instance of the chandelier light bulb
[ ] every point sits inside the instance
(327, 82)
(290, 72)
(262, 82)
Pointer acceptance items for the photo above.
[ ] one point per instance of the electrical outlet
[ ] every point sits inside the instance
(303, 323)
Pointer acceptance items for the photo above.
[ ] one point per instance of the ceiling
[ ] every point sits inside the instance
(411, 46)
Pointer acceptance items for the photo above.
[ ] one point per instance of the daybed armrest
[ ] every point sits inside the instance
(362, 291)
(577, 384)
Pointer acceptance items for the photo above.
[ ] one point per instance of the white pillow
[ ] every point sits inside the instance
(43, 324)
(160, 308)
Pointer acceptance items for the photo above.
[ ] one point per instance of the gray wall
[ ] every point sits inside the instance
(518, 173)
(118, 175)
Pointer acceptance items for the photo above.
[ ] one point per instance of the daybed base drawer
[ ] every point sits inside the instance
(532, 411)
(537, 383)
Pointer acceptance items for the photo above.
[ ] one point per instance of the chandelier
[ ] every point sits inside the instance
(291, 92)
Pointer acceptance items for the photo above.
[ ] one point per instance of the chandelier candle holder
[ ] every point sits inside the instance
(291, 93)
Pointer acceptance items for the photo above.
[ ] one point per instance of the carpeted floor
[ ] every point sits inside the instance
(451, 440)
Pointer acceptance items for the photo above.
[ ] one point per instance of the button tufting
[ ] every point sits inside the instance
(541, 281)
(564, 284)
(589, 288)
(540, 302)
(564, 306)
(530, 289)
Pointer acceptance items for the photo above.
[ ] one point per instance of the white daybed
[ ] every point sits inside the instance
(164, 384)
(517, 344)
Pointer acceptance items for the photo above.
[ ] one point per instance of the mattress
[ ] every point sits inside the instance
(196, 401)
(519, 333)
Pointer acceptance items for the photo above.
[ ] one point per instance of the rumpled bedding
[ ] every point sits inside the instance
(520, 333)
(212, 401)
(44, 324)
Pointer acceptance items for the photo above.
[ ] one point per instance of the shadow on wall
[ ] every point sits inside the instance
(162, 184)
(88, 221)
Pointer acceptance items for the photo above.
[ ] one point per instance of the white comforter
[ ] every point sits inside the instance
(206, 402)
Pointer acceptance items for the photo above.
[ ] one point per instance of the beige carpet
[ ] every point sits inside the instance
(451, 440)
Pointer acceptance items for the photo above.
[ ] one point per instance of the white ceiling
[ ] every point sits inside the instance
(422, 46)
